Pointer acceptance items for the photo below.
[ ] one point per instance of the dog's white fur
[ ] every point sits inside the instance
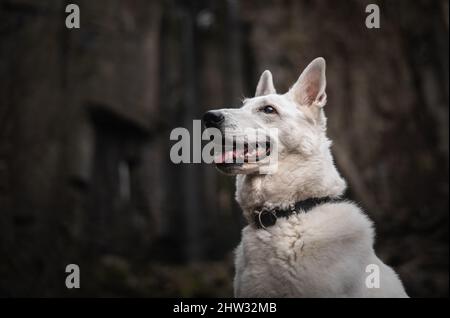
(325, 252)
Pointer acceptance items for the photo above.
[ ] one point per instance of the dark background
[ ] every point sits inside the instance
(85, 118)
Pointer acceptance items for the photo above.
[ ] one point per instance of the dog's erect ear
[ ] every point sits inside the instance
(265, 85)
(310, 86)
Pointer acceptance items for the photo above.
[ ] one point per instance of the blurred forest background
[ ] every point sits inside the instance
(85, 117)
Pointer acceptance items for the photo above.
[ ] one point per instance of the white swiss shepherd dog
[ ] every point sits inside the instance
(322, 251)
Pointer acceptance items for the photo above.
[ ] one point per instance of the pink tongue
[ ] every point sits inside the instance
(219, 158)
(225, 157)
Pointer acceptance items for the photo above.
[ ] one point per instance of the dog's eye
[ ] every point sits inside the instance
(268, 110)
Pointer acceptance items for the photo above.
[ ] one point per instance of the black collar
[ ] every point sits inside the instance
(264, 218)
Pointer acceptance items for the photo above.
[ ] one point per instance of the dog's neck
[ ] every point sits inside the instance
(297, 178)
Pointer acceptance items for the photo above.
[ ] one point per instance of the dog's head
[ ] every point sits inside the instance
(271, 125)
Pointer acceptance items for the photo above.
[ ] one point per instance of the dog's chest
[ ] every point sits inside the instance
(297, 257)
(282, 242)
(267, 261)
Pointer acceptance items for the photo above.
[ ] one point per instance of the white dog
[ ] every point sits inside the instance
(302, 240)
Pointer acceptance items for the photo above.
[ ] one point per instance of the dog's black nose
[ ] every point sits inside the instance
(213, 118)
